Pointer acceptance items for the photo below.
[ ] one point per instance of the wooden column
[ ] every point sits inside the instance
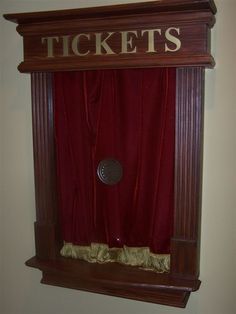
(188, 172)
(44, 166)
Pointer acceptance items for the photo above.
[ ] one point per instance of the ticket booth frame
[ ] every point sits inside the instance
(192, 22)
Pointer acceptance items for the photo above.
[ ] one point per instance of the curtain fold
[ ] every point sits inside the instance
(128, 115)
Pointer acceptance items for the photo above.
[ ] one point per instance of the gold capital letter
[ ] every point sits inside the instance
(49, 41)
(75, 44)
(172, 39)
(127, 42)
(65, 41)
(151, 38)
(103, 44)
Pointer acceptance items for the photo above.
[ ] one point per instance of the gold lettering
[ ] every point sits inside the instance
(172, 39)
(49, 41)
(103, 44)
(151, 38)
(75, 45)
(128, 45)
(65, 41)
(127, 42)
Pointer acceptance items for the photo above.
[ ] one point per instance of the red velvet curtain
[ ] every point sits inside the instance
(128, 115)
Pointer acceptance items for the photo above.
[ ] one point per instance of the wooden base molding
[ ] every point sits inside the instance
(116, 280)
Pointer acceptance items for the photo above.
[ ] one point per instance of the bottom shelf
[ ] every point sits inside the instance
(116, 280)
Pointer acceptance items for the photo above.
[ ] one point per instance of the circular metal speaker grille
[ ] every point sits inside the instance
(110, 171)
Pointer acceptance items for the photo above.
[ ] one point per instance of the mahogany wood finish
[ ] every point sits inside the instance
(195, 17)
(114, 10)
(117, 280)
(188, 172)
(192, 18)
(44, 166)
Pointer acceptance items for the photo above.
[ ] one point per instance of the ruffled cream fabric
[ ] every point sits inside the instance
(133, 256)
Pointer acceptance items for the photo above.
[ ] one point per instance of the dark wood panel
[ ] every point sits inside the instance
(194, 20)
(53, 41)
(43, 141)
(185, 245)
(114, 10)
(188, 152)
(185, 258)
(117, 280)
(46, 240)
(117, 23)
(191, 42)
(46, 229)
(108, 63)
(161, 296)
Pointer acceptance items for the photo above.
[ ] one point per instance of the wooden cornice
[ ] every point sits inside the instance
(113, 11)
(68, 40)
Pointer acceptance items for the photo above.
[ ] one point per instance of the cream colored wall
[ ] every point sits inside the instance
(1, 181)
(22, 292)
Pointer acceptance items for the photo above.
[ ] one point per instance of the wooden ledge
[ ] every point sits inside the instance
(113, 10)
(117, 280)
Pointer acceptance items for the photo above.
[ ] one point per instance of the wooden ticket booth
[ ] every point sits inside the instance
(118, 106)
